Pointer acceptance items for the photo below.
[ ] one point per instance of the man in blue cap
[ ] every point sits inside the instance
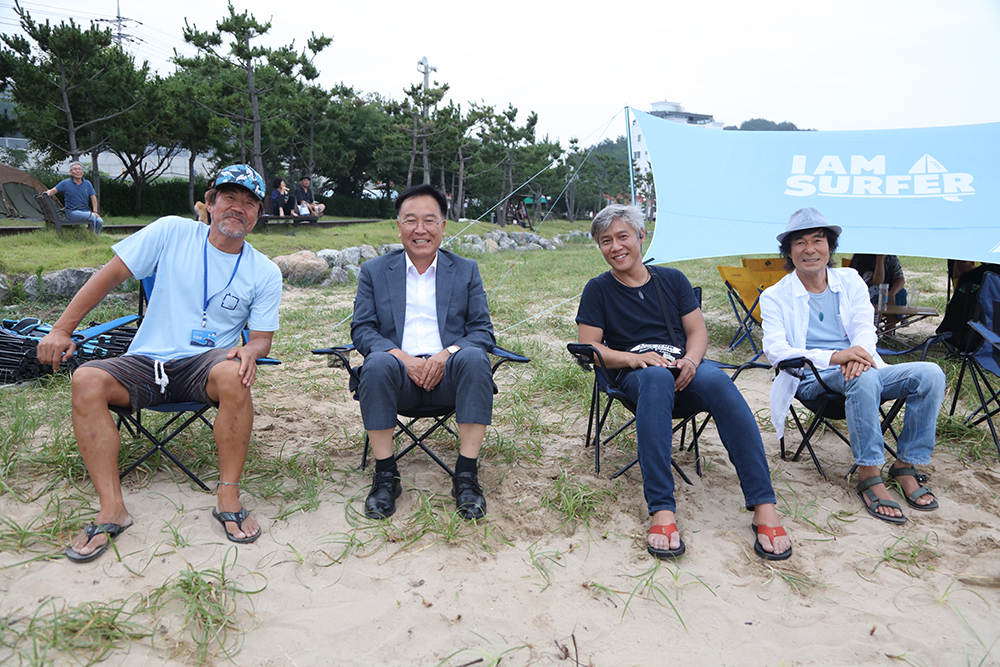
(209, 284)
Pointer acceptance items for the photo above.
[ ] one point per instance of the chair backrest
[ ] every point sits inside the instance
(989, 302)
(764, 263)
(742, 285)
(764, 279)
(49, 210)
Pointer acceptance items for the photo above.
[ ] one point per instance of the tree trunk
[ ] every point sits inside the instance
(191, 159)
(413, 153)
(460, 200)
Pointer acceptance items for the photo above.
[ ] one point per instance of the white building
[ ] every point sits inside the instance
(668, 111)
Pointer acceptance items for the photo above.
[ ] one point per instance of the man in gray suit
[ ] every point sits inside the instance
(422, 323)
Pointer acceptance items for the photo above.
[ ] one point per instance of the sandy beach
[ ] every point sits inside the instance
(528, 585)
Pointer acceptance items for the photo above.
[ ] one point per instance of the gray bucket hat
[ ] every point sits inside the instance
(807, 218)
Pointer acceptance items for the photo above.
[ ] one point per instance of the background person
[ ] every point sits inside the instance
(281, 203)
(209, 284)
(304, 194)
(878, 270)
(80, 198)
(621, 309)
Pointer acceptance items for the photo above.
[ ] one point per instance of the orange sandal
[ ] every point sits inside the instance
(665, 554)
(771, 534)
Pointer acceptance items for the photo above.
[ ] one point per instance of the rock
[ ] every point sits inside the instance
(548, 244)
(333, 258)
(63, 283)
(302, 268)
(518, 237)
(472, 238)
(368, 252)
(507, 243)
(338, 276)
(4, 288)
(532, 246)
(532, 238)
(496, 235)
(386, 248)
(477, 248)
(351, 255)
(354, 270)
(491, 245)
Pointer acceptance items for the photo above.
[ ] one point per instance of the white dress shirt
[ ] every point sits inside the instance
(420, 327)
(784, 309)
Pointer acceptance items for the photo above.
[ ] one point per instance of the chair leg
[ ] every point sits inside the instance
(958, 385)
(161, 446)
(982, 399)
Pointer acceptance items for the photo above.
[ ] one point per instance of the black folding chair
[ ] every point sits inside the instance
(828, 405)
(589, 358)
(983, 360)
(439, 414)
(186, 413)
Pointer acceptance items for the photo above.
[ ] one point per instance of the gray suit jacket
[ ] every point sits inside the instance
(380, 304)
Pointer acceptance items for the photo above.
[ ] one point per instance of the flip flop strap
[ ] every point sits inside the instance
(666, 530)
(771, 532)
(920, 493)
(110, 529)
(866, 485)
(875, 502)
(235, 517)
(903, 472)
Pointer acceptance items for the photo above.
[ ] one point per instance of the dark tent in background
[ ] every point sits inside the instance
(19, 189)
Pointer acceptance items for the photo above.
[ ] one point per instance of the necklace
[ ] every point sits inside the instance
(637, 288)
(814, 300)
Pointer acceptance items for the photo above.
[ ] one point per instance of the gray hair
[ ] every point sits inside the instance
(630, 215)
(73, 164)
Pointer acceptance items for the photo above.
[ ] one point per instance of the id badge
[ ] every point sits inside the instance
(202, 338)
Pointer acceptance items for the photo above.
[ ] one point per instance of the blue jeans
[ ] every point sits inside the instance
(921, 382)
(95, 220)
(712, 391)
(385, 388)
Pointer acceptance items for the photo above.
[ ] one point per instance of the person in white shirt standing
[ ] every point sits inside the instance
(824, 314)
(422, 323)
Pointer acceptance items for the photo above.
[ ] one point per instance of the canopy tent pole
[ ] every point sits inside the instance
(631, 163)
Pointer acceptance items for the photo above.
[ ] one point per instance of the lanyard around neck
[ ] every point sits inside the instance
(204, 310)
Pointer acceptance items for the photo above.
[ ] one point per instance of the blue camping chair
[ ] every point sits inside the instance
(186, 413)
(438, 414)
(984, 361)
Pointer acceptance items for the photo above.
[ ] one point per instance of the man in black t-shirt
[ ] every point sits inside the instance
(621, 309)
(304, 194)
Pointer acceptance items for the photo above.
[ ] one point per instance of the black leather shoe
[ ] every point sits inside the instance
(468, 495)
(381, 500)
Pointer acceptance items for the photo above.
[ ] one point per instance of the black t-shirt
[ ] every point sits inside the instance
(301, 194)
(627, 318)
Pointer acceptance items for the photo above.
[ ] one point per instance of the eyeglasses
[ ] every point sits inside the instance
(428, 224)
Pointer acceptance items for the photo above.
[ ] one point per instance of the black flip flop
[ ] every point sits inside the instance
(112, 530)
(237, 518)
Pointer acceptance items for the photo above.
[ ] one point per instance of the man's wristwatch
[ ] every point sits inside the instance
(452, 349)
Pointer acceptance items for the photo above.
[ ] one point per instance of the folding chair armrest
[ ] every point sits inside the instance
(83, 335)
(341, 352)
(799, 363)
(747, 366)
(986, 333)
(268, 361)
(923, 348)
(587, 355)
(507, 355)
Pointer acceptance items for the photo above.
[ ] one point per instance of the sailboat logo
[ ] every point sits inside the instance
(928, 165)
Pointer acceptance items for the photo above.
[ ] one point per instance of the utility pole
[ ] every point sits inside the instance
(424, 68)
(119, 21)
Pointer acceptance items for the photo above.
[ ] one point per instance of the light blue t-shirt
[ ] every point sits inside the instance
(826, 331)
(174, 249)
(77, 197)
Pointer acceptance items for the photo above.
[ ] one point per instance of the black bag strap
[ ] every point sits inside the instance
(663, 306)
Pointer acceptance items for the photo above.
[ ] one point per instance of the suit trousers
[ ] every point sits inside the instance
(385, 389)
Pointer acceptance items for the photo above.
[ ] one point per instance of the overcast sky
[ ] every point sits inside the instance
(822, 64)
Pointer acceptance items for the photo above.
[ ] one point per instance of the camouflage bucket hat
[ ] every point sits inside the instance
(244, 176)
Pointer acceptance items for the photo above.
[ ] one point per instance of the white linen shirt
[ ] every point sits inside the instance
(420, 325)
(784, 309)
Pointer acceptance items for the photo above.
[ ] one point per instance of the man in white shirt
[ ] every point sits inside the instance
(422, 323)
(824, 314)
(209, 284)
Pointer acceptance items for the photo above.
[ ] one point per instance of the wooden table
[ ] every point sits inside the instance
(904, 317)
